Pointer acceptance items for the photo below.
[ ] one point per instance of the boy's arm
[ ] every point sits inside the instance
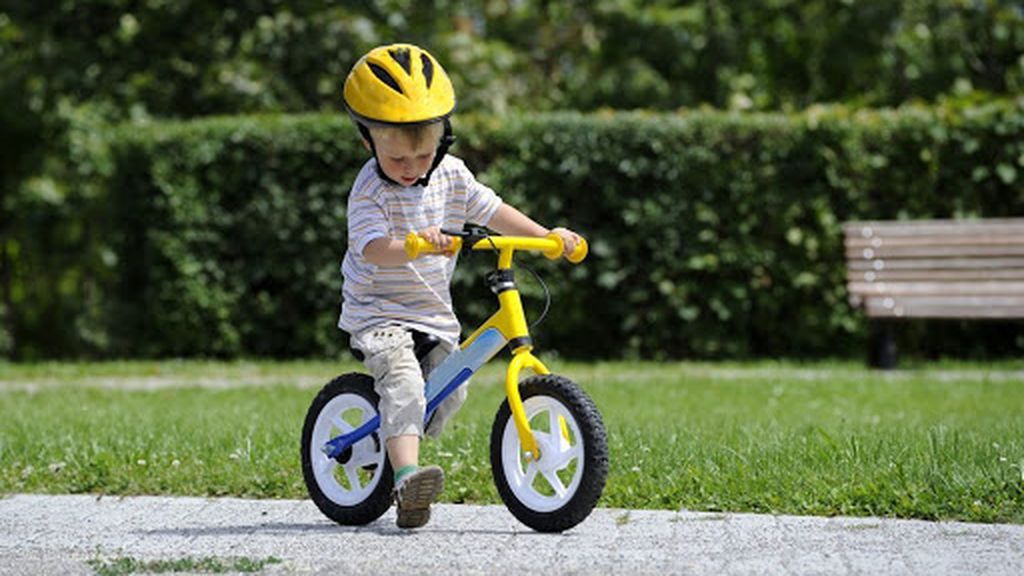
(391, 252)
(506, 220)
(385, 252)
(512, 222)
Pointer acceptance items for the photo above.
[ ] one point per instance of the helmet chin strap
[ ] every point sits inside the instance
(442, 148)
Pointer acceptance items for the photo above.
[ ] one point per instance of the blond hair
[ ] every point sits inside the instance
(414, 134)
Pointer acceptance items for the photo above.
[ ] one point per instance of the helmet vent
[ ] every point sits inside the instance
(385, 77)
(401, 55)
(428, 69)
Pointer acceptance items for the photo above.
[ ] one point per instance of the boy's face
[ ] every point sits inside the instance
(401, 158)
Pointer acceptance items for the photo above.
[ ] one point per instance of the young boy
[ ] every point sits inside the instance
(401, 99)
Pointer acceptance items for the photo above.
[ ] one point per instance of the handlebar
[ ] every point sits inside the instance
(552, 246)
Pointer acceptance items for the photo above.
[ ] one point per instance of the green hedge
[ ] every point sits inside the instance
(718, 235)
(713, 234)
(229, 235)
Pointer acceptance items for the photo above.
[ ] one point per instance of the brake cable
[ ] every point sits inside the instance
(471, 234)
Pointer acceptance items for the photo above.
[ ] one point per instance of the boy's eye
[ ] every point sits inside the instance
(423, 156)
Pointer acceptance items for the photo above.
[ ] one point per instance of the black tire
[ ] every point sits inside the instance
(537, 503)
(330, 485)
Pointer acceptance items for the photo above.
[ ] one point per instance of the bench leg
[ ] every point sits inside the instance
(882, 346)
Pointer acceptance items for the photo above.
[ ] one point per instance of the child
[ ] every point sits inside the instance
(401, 100)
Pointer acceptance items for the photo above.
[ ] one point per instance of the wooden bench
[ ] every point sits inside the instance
(954, 269)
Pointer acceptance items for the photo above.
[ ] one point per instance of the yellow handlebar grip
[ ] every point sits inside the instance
(580, 252)
(416, 246)
(558, 249)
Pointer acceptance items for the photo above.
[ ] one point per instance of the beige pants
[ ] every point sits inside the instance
(399, 381)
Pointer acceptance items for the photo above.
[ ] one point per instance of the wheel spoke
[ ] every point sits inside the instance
(340, 424)
(530, 476)
(362, 461)
(566, 456)
(353, 477)
(362, 456)
(565, 442)
(326, 465)
(556, 483)
(541, 437)
(556, 421)
(553, 427)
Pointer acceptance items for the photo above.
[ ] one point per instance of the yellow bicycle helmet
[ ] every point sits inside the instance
(399, 84)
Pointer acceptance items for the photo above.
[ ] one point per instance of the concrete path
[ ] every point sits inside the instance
(62, 534)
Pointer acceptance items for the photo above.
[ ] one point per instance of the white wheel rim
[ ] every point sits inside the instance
(350, 483)
(549, 483)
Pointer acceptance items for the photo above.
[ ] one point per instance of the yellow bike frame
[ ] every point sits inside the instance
(510, 320)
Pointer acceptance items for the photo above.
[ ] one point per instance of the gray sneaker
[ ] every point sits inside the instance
(414, 495)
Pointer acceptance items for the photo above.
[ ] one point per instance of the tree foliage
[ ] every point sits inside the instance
(68, 66)
(189, 58)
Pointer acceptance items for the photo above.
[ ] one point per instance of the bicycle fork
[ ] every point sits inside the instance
(522, 359)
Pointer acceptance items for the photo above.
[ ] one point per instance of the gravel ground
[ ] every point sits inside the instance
(73, 534)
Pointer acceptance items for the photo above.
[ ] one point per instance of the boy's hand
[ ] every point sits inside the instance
(439, 239)
(569, 238)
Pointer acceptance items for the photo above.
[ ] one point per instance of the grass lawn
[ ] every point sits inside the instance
(937, 441)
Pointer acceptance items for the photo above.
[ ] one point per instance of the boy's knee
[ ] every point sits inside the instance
(393, 429)
(402, 406)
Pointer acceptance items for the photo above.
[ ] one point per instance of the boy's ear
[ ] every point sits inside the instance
(366, 144)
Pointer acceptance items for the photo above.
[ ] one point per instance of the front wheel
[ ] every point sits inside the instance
(355, 487)
(561, 488)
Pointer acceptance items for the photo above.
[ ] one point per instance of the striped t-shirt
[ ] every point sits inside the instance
(415, 294)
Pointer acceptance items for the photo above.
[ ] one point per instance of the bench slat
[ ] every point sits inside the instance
(937, 288)
(934, 275)
(887, 252)
(858, 241)
(937, 264)
(945, 307)
(950, 313)
(868, 229)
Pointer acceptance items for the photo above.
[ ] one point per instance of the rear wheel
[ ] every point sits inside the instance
(561, 488)
(354, 488)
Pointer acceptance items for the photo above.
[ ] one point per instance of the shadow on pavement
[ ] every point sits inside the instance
(379, 528)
